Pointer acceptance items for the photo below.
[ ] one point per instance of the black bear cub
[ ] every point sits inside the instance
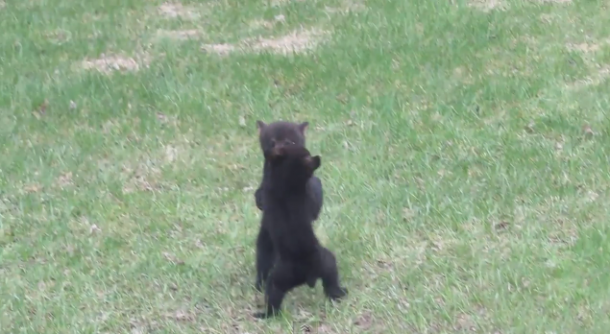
(287, 217)
(280, 133)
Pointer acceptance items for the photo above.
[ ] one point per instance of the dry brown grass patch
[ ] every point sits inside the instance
(589, 46)
(220, 49)
(584, 47)
(64, 180)
(257, 24)
(108, 63)
(600, 72)
(488, 5)
(175, 10)
(548, 18)
(297, 41)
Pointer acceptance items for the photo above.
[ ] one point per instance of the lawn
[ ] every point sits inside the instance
(465, 159)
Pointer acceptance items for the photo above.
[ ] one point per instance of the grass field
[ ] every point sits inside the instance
(465, 150)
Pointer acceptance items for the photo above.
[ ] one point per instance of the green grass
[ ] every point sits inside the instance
(464, 189)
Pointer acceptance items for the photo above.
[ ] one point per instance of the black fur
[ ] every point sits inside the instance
(283, 133)
(287, 218)
(280, 134)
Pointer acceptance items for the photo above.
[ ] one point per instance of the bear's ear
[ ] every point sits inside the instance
(314, 162)
(303, 126)
(260, 125)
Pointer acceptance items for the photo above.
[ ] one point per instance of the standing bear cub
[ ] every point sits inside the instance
(280, 133)
(287, 217)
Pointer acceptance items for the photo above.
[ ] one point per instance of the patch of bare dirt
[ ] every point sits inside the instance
(175, 10)
(297, 41)
(221, 49)
(267, 24)
(183, 316)
(33, 188)
(590, 45)
(109, 63)
(584, 47)
(171, 153)
(487, 5)
(179, 34)
(64, 180)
